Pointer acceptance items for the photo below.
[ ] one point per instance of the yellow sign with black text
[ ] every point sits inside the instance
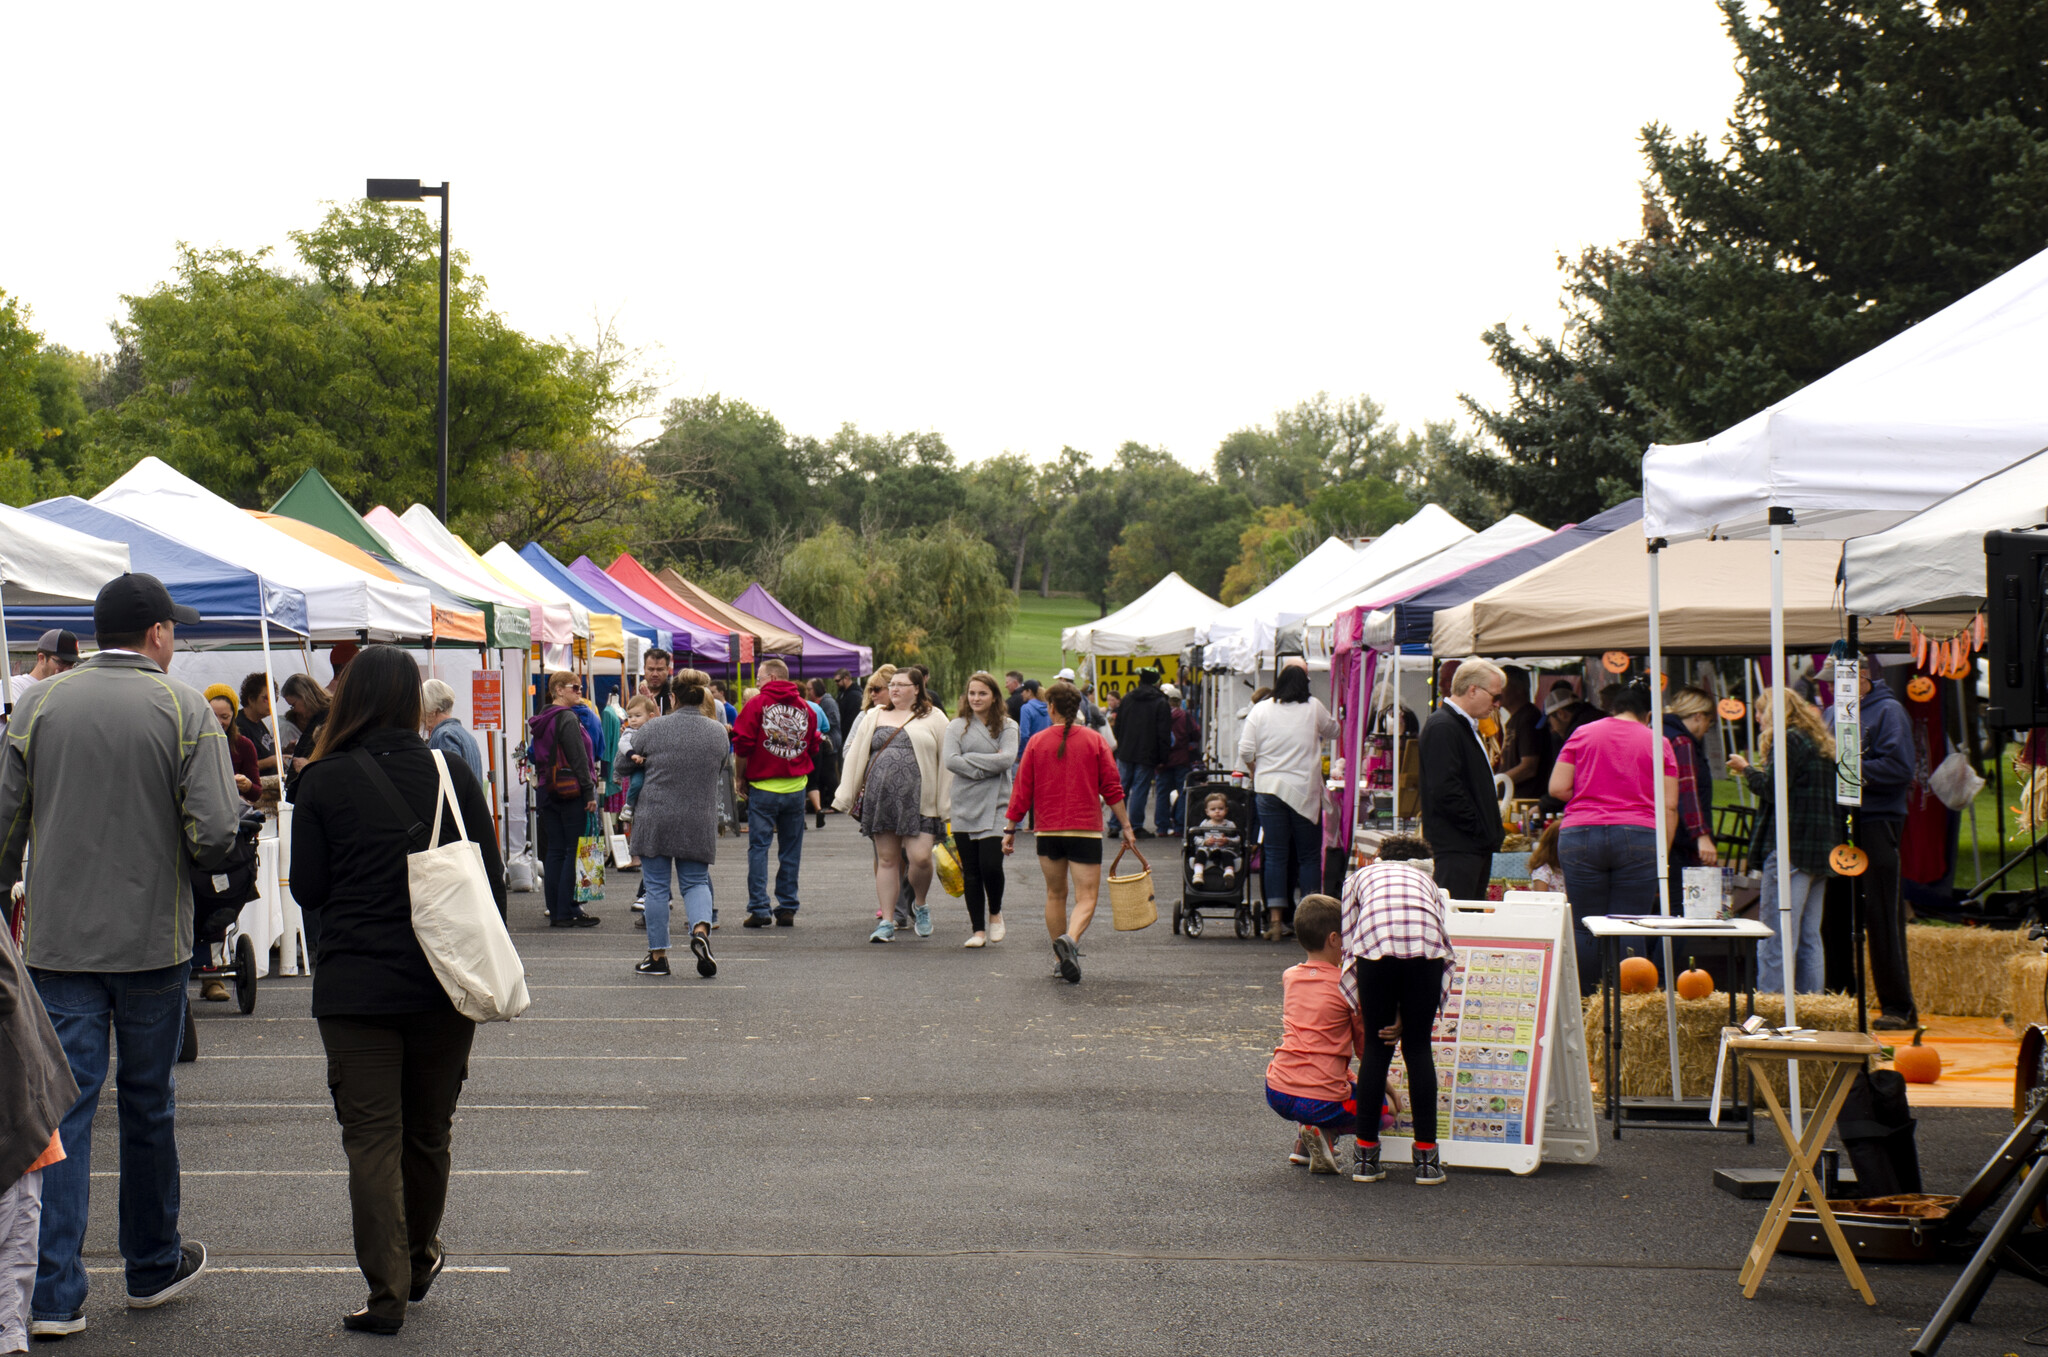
(1116, 675)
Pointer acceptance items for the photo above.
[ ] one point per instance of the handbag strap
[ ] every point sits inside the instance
(405, 813)
(868, 767)
(446, 792)
(1120, 857)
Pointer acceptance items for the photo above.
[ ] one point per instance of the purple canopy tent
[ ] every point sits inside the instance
(823, 653)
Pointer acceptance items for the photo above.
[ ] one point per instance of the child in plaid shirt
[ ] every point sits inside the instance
(1397, 945)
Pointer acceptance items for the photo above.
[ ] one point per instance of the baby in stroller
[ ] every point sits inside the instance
(1218, 846)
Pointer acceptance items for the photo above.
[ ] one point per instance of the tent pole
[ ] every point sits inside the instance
(1781, 793)
(6, 659)
(1399, 732)
(1658, 808)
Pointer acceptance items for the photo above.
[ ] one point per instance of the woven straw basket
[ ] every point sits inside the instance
(1130, 897)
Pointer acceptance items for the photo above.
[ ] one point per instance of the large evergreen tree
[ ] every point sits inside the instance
(1885, 158)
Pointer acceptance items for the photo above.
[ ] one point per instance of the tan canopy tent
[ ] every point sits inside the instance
(774, 640)
(1715, 601)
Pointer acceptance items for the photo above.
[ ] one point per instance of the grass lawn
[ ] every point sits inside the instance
(1033, 644)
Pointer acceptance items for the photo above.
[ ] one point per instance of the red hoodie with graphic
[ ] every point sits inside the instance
(776, 733)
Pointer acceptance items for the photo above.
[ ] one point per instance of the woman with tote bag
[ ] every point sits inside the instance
(397, 1049)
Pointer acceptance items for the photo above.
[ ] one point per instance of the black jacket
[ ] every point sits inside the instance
(848, 699)
(1144, 727)
(348, 862)
(1459, 812)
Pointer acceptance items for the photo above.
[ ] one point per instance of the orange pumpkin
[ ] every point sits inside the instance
(1731, 709)
(1921, 689)
(1694, 983)
(1917, 1064)
(1848, 860)
(1638, 975)
(1615, 661)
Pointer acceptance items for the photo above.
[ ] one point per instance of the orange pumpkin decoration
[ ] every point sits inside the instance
(1615, 661)
(1917, 1064)
(1731, 709)
(1848, 860)
(1921, 688)
(1638, 975)
(1694, 983)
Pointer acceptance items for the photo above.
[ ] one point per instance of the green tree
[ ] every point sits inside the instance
(1275, 540)
(1002, 498)
(21, 423)
(755, 481)
(1885, 157)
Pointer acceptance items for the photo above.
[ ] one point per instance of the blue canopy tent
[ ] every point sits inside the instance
(562, 578)
(234, 603)
(685, 637)
(1412, 616)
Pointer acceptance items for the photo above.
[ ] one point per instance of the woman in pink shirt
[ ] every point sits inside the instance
(1608, 845)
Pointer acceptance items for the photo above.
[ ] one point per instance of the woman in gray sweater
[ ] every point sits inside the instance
(685, 756)
(981, 754)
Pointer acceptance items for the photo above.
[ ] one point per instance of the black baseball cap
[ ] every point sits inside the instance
(136, 602)
(63, 644)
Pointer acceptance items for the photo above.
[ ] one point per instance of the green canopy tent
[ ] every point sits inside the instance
(313, 500)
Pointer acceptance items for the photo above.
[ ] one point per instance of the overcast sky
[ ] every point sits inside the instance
(1021, 226)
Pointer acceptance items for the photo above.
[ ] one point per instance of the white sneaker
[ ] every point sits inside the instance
(56, 1328)
(995, 928)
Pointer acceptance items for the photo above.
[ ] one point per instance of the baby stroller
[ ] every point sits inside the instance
(1214, 895)
(225, 952)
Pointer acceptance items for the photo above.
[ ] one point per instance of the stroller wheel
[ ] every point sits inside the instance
(1243, 923)
(245, 975)
(1191, 925)
(1176, 916)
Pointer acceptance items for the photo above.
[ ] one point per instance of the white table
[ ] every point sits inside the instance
(1743, 935)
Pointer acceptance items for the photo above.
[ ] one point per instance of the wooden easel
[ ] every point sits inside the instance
(1847, 1054)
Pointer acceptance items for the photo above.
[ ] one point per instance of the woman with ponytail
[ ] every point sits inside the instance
(1065, 778)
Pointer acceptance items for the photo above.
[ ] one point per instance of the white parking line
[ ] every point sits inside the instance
(282, 1056)
(463, 1107)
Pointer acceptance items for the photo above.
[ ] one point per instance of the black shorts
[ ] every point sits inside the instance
(1069, 848)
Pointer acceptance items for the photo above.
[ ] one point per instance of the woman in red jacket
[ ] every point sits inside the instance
(1065, 777)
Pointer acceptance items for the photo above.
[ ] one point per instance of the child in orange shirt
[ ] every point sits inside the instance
(1309, 1079)
(40, 1090)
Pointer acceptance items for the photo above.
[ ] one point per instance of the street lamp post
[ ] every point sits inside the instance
(412, 191)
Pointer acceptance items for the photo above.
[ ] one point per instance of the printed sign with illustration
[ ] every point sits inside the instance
(1488, 1044)
(1118, 674)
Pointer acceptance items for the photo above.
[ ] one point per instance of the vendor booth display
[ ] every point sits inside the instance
(822, 653)
(1164, 620)
(669, 587)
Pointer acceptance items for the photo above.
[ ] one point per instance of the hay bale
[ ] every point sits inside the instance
(2024, 976)
(1962, 972)
(1645, 1054)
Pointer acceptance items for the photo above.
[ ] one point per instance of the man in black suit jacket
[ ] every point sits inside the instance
(1460, 817)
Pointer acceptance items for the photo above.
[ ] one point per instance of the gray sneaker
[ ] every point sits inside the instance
(191, 1262)
(1429, 1168)
(1069, 957)
(924, 921)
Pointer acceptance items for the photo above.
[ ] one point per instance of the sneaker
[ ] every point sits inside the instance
(785, 918)
(1322, 1151)
(885, 930)
(1429, 1168)
(1365, 1165)
(585, 921)
(1143, 834)
(214, 991)
(924, 921)
(995, 928)
(763, 920)
(57, 1328)
(639, 904)
(700, 945)
(978, 940)
(1299, 1157)
(191, 1262)
(1070, 964)
(654, 965)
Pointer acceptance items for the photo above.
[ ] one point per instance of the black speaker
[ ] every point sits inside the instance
(2016, 622)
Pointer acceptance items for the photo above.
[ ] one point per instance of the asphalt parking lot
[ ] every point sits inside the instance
(834, 1147)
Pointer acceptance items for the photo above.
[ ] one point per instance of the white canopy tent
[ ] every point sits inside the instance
(1954, 398)
(1422, 535)
(1505, 536)
(555, 621)
(342, 602)
(1933, 562)
(1161, 621)
(1235, 637)
(44, 563)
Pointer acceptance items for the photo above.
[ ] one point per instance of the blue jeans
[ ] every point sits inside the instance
(1166, 807)
(693, 883)
(1288, 840)
(1809, 889)
(1339, 1119)
(144, 1014)
(1608, 869)
(780, 816)
(1137, 780)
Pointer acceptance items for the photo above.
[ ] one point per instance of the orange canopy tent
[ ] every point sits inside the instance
(774, 640)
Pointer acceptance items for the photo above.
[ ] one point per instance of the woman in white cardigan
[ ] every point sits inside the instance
(895, 769)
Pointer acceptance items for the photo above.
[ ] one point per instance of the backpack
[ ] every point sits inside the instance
(544, 751)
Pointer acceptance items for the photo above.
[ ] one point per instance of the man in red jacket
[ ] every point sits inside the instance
(774, 738)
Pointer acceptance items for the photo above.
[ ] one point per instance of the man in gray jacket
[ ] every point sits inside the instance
(115, 778)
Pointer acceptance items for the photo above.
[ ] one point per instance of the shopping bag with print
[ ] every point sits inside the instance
(590, 851)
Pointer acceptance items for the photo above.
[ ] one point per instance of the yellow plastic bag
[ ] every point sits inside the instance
(946, 866)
